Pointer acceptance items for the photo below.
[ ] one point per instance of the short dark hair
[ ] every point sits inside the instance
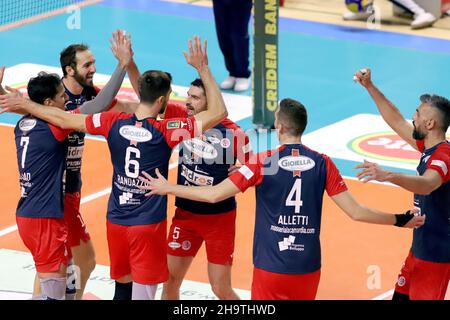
(68, 57)
(292, 114)
(154, 84)
(198, 83)
(440, 103)
(44, 86)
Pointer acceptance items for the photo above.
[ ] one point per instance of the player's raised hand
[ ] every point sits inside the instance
(12, 101)
(121, 47)
(363, 77)
(197, 56)
(158, 185)
(371, 171)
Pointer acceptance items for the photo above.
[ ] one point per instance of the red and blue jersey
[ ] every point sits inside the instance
(290, 182)
(431, 242)
(41, 157)
(136, 146)
(205, 160)
(75, 140)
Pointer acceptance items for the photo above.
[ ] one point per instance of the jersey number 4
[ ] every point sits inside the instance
(294, 197)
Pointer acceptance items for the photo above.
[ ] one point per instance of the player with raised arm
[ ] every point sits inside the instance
(426, 271)
(76, 229)
(137, 224)
(290, 182)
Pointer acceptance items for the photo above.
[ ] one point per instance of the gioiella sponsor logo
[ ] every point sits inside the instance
(133, 133)
(201, 148)
(385, 146)
(27, 124)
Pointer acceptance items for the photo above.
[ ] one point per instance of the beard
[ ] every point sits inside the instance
(417, 135)
(190, 110)
(83, 81)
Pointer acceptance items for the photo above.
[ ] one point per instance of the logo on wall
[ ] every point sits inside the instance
(385, 146)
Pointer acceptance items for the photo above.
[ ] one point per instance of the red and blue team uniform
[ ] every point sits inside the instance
(73, 183)
(290, 182)
(136, 224)
(426, 272)
(205, 161)
(41, 156)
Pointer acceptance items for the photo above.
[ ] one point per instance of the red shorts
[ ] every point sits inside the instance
(75, 224)
(423, 280)
(277, 286)
(189, 230)
(46, 239)
(139, 251)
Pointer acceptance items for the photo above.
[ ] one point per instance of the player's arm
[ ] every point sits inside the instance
(121, 48)
(390, 113)
(211, 194)
(358, 212)
(216, 112)
(424, 184)
(134, 75)
(55, 116)
(4, 92)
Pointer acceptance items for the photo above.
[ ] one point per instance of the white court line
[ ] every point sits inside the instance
(384, 295)
(8, 230)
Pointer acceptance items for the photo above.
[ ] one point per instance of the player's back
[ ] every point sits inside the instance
(289, 210)
(290, 182)
(41, 161)
(137, 145)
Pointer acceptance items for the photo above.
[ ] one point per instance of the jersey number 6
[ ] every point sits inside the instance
(132, 166)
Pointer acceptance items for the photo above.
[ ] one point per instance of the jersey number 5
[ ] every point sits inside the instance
(132, 166)
(294, 197)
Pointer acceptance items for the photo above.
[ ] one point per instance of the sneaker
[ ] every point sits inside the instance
(354, 16)
(228, 83)
(242, 84)
(423, 20)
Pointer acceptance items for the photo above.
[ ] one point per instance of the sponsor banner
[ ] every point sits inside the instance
(265, 66)
(21, 272)
(364, 136)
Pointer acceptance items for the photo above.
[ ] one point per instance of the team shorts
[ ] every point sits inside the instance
(423, 280)
(278, 286)
(138, 250)
(75, 223)
(46, 238)
(189, 230)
